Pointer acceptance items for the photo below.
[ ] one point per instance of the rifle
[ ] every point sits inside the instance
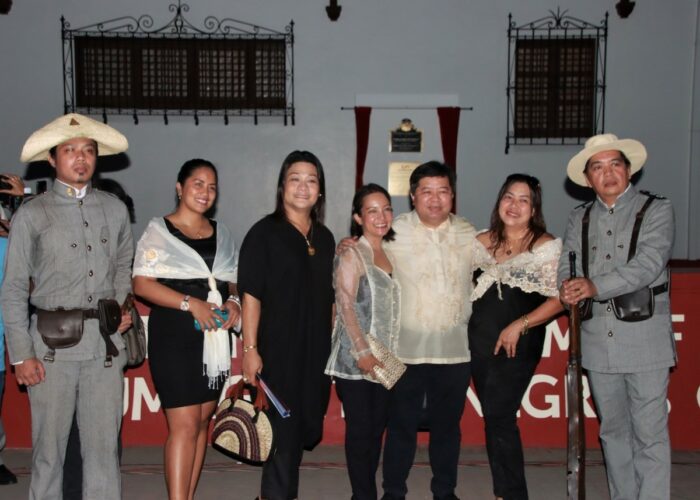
(576, 439)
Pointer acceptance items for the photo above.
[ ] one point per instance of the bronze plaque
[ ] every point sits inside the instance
(406, 138)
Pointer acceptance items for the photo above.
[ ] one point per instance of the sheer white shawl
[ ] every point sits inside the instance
(159, 254)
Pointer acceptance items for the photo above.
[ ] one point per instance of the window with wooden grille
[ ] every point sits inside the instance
(176, 74)
(556, 80)
(554, 88)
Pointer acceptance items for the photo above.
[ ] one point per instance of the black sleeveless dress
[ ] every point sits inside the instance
(174, 346)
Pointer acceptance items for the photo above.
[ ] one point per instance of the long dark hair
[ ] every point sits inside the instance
(536, 225)
(358, 200)
(318, 210)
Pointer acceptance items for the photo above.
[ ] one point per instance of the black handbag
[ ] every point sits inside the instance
(634, 306)
(134, 337)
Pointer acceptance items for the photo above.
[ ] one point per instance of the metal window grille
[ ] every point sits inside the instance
(228, 68)
(556, 80)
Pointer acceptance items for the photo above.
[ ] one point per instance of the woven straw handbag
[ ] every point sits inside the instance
(243, 429)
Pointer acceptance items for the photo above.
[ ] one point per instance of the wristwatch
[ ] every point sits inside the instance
(185, 304)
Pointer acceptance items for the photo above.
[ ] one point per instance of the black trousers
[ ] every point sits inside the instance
(445, 389)
(280, 475)
(500, 384)
(365, 406)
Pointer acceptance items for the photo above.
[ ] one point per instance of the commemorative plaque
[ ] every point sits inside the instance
(406, 138)
(399, 177)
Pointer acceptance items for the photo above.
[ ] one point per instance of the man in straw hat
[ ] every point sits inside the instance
(627, 344)
(74, 245)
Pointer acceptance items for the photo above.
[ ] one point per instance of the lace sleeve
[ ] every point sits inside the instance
(348, 271)
(536, 271)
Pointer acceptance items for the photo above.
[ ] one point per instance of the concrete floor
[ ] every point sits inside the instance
(323, 475)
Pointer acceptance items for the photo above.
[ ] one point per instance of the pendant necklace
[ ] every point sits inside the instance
(509, 249)
(309, 247)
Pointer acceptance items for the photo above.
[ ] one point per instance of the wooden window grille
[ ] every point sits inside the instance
(119, 67)
(556, 81)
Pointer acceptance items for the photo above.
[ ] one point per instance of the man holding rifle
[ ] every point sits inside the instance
(69, 252)
(623, 242)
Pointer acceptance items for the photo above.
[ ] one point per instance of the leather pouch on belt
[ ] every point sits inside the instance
(61, 328)
(110, 315)
(634, 306)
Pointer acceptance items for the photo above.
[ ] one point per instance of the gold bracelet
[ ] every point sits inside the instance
(526, 323)
(247, 348)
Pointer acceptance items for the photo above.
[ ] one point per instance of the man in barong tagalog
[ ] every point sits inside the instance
(68, 249)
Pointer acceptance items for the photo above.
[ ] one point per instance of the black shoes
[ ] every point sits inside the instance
(6, 476)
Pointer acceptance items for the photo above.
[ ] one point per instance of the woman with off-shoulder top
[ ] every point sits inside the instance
(515, 295)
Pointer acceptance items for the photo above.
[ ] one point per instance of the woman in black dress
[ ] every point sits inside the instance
(285, 280)
(515, 264)
(184, 266)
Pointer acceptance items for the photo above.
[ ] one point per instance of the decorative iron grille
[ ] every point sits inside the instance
(227, 68)
(556, 80)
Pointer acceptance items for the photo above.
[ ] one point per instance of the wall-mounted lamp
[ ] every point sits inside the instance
(5, 6)
(624, 8)
(333, 10)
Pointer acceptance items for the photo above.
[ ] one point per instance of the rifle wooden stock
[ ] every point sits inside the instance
(576, 442)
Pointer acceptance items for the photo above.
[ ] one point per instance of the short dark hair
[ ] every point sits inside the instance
(624, 158)
(536, 225)
(432, 168)
(318, 210)
(358, 200)
(52, 151)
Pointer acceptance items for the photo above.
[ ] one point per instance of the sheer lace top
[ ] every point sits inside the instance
(534, 271)
(367, 302)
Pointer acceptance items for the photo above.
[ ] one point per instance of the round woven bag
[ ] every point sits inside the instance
(242, 428)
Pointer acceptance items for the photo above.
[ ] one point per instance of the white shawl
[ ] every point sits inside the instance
(159, 254)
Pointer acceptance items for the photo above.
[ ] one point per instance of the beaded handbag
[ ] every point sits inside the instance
(393, 367)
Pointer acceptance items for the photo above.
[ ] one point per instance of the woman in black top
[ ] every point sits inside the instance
(285, 280)
(175, 346)
(516, 294)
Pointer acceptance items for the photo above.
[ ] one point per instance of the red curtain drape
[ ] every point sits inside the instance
(449, 129)
(362, 128)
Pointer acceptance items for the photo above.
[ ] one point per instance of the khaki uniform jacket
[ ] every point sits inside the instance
(75, 252)
(609, 345)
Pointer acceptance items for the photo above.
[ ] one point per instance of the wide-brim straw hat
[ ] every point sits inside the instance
(634, 150)
(109, 140)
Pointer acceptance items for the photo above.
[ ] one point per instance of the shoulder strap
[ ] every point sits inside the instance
(637, 227)
(585, 223)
